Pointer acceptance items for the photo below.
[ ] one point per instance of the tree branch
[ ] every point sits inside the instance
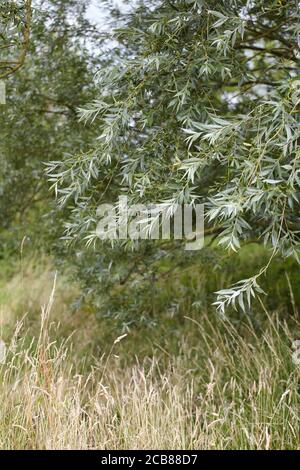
(26, 41)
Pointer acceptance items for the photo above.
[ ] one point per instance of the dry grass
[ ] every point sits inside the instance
(223, 389)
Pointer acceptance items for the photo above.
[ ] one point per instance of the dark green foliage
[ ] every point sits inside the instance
(39, 121)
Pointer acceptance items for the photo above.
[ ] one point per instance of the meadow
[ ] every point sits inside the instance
(71, 381)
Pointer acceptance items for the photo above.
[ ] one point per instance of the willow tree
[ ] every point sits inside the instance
(201, 105)
(15, 23)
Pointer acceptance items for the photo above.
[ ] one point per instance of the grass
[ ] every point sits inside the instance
(72, 382)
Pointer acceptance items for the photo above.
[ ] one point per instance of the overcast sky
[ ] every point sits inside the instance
(97, 11)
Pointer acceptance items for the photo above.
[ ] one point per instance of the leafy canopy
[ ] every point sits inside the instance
(199, 104)
(15, 24)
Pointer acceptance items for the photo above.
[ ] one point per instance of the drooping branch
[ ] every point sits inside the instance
(14, 66)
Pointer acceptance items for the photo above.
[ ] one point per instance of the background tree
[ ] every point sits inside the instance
(39, 121)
